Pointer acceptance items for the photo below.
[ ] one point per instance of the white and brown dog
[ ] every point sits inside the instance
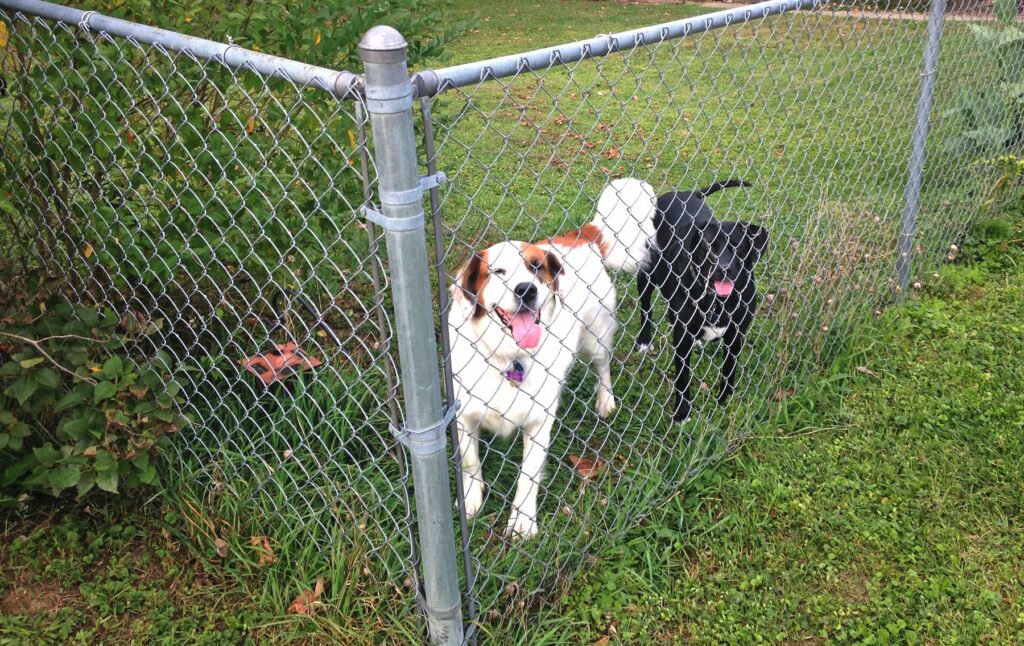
(520, 314)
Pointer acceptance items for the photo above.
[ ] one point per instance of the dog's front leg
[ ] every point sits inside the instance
(645, 286)
(732, 345)
(682, 340)
(472, 469)
(536, 442)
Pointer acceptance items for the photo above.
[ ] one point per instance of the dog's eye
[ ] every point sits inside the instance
(535, 266)
(500, 272)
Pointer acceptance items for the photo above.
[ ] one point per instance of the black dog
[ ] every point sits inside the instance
(705, 270)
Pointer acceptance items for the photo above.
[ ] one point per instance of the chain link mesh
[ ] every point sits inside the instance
(218, 211)
(816, 110)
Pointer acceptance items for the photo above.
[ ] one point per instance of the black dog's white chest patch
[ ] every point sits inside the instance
(715, 322)
(709, 333)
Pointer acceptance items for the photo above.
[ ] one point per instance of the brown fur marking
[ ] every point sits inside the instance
(472, 279)
(543, 262)
(587, 234)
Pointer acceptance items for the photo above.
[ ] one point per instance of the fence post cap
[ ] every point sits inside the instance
(382, 39)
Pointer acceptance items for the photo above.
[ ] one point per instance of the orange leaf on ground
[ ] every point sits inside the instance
(587, 469)
(262, 543)
(783, 394)
(305, 602)
(222, 547)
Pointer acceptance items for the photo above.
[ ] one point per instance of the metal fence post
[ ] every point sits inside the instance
(389, 102)
(929, 69)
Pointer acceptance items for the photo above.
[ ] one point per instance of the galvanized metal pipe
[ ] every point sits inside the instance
(389, 102)
(340, 83)
(431, 82)
(919, 140)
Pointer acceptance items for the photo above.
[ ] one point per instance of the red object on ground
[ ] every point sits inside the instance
(283, 360)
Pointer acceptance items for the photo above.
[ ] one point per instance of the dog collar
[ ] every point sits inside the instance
(516, 374)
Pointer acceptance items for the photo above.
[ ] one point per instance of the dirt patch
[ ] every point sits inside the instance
(36, 599)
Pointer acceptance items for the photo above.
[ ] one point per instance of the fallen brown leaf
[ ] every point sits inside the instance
(305, 602)
(262, 544)
(587, 469)
(222, 547)
(867, 371)
(783, 394)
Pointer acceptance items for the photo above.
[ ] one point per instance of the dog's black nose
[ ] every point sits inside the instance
(526, 292)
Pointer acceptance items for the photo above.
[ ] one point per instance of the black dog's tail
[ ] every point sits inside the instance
(717, 186)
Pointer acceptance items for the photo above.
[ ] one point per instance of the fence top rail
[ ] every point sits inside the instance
(340, 83)
(431, 82)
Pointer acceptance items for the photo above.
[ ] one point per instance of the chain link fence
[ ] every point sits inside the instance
(224, 202)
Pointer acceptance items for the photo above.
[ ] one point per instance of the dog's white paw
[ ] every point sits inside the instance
(521, 527)
(644, 348)
(605, 404)
(474, 499)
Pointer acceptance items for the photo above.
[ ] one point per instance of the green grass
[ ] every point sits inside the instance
(113, 574)
(883, 505)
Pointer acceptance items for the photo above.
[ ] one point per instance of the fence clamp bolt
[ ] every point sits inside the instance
(431, 439)
(401, 198)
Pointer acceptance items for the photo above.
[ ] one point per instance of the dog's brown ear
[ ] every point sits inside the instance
(468, 288)
(552, 269)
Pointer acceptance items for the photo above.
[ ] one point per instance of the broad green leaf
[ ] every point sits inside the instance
(70, 400)
(113, 367)
(48, 377)
(22, 389)
(104, 461)
(5, 439)
(103, 390)
(31, 363)
(107, 480)
(86, 483)
(46, 454)
(84, 425)
(64, 476)
(148, 475)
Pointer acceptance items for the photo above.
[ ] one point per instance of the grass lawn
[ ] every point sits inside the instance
(883, 504)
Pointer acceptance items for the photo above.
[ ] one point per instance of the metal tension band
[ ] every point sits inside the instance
(389, 99)
(401, 198)
(431, 439)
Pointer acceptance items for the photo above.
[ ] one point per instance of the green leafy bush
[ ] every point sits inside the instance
(76, 411)
(992, 114)
(181, 189)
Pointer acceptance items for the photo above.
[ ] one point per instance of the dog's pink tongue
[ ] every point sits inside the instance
(525, 330)
(723, 288)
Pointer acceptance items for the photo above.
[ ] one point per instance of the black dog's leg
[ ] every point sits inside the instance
(645, 286)
(732, 345)
(682, 339)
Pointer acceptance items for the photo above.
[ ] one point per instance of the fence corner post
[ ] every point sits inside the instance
(389, 100)
(919, 140)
